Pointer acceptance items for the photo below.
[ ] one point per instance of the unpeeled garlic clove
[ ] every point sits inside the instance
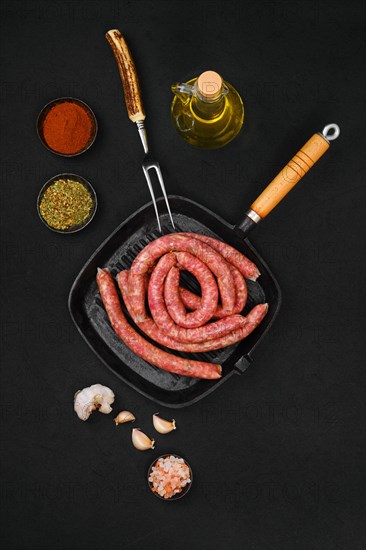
(124, 416)
(140, 440)
(163, 426)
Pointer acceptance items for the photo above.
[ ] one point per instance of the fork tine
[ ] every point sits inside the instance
(161, 181)
(148, 180)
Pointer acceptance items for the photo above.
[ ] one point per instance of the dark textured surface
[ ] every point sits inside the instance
(287, 437)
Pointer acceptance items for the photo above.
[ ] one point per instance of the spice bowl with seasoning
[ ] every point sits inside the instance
(67, 203)
(67, 126)
(169, 477)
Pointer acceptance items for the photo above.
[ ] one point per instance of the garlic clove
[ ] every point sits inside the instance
(163, 426)
(124, 416)
(94, 397)
(140, 440)
(105, 408)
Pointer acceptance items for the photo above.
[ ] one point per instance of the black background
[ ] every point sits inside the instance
(277, 453)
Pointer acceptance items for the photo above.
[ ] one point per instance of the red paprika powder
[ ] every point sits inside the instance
(68, 128)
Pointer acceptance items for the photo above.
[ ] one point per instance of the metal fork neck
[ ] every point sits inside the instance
(143, 135)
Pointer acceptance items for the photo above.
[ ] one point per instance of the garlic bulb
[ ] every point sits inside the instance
(94, 397)
(141, 441)
(163, 426)
(124, 416)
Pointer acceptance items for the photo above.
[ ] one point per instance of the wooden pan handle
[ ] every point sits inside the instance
(128, 74)
(292, 173)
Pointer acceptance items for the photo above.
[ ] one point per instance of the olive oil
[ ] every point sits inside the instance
(206, 111)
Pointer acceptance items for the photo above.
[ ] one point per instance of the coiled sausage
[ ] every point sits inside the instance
(140, 346)
(177, 318)
(150, 328)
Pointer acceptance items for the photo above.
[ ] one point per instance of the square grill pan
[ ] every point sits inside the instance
(117, 252)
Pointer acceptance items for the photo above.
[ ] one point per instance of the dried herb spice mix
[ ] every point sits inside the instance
(66, 203)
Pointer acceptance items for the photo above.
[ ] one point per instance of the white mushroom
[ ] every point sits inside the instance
(95, 397)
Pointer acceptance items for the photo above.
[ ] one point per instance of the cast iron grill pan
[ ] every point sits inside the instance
(118, 252)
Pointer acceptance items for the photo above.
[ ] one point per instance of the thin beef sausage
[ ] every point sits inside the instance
(193, 301)
(177, 318)
(210, 294)
(233, 256)
(162, 318)
(145, 260)
(155, 333)
(140, 346)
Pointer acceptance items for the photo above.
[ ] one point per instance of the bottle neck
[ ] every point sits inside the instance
(209, 108)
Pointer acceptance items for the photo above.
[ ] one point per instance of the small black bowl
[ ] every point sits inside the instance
(48, 107)
(184, 490)
(86, 184)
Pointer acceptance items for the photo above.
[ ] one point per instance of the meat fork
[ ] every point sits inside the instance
(136, 112)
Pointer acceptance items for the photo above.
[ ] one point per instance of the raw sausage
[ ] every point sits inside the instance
(192, 301)
(177, 318)
(155, 333)
(162, 318)
(209, 290)
(181, 243)
(233, 256)
(140, 346)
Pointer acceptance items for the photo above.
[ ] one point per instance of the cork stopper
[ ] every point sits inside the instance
(209, 84)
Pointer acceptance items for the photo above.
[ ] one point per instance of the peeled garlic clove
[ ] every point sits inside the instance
(124, 416)
(163, 426)
(141, 441)
(94, 397)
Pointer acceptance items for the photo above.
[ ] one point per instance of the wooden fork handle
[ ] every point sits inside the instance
(128, 74)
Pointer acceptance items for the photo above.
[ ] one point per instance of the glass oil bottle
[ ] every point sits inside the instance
(206, 111)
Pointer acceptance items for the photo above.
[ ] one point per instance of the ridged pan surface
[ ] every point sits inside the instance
(117, 253)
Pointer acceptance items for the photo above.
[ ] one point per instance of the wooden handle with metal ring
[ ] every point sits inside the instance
(294, 170)
(286, 180)
(128, 74)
